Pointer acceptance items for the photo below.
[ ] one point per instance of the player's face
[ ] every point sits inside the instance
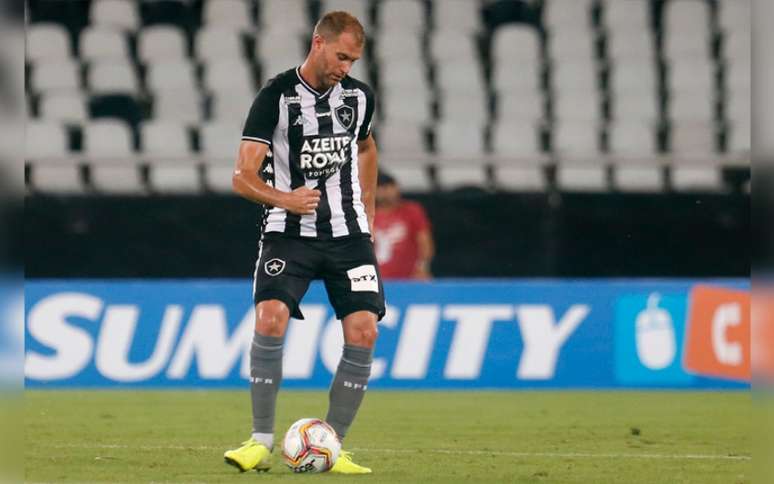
(337, 58)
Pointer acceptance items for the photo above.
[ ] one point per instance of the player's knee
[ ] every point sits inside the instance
(271, 318)
(363, 334)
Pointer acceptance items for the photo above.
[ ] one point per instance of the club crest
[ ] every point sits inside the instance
(274, 267)
(345, 115)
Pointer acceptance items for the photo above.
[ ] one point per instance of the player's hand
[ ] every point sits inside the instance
(302, 201)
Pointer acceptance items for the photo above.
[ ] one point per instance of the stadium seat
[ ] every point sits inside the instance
(45, 140)
(358, 8)
(103, 43)
(686, 44)
(231, 106)
(635, 106)
(274, 66)
(737, 46)
(234, 15)
(520, 105)
(411, 177)
(178, 105)
(47, 41)
(516, 44)
(516, 139)
(53, 75)
(471, 108)
(175, 74)
(218, 177)
(110, 77)
(109, 147)
(118, 14)
(280, 45)
(459, 140)
(174, 177)
(454, 176)
(628, 77)
(460, 76)
(453, 46)
(405, 105)
(216, 43)
(395, 45)
(519, 178)
(739, 106)
(632, 139)
(407, 15)
(219, 142)
(118, 106)
(510, 76)
(63, 106)
(734, 16)
(581, 178)
(577, 105)
(173, 169)
(640, 178)
(687, 105)
(686, 28)
(626, 16)
(631, 45)
(739, 137)
(692, 139)
(161, 43)
(575, 140)
(567, 15)
(228, 74)
(403, 75)
(459, 16)
(686, 178)
(696, 74)
(738, 75)
(63, 177)
(401, 137)
(107, 139)
(575, 75)
(164, 139)
(568, 45)
(285, 15)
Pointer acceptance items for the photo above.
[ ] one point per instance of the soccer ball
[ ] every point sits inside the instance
(310, 445)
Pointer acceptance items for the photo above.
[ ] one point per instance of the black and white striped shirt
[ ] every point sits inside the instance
(313, 141)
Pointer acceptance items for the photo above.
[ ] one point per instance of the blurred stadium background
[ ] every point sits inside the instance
(546, 139)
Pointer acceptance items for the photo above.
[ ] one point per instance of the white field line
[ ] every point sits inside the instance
(556, 455)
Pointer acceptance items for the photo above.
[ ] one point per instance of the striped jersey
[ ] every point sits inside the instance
(313, 139)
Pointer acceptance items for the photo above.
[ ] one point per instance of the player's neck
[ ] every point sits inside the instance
(310, 77)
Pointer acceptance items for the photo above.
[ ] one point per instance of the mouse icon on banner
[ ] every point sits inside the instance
(655, 335)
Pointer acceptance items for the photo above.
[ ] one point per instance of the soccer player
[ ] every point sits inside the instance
(308, 156)
(404, 243)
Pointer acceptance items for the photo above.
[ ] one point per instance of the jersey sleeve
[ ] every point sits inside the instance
(263, 115)
(365, 128)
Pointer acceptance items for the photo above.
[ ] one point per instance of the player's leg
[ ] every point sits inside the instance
(282, 277)
(271, 322)
(356, 292)
(351, 379)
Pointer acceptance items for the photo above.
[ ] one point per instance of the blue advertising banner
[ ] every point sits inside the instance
(450, 334)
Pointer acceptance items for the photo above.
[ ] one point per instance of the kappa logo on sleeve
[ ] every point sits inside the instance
(363, 279)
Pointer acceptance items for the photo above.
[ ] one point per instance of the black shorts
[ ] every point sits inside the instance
(286, 266)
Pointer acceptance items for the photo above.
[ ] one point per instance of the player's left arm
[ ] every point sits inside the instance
(368, 166)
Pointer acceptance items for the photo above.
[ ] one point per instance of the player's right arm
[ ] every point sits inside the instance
(248, 184)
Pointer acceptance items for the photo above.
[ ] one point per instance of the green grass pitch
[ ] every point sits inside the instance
(406, 437)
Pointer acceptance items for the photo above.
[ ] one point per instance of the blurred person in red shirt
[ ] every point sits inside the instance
(403, 241)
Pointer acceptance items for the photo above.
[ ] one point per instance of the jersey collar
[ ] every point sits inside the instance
(310, 88)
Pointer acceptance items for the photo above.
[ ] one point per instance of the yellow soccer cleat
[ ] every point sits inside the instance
(251, 455)
(344, 465)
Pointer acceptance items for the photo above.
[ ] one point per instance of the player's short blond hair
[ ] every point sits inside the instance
(332, 24)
